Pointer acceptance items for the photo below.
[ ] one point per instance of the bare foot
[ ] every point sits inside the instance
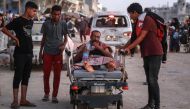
(88, 67)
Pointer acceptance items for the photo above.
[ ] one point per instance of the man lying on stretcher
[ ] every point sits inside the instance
(94, 53)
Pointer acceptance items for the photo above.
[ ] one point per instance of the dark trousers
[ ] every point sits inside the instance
(152, 67)
(82, 35)
(174, 45)
(23, 66)
(165, 48)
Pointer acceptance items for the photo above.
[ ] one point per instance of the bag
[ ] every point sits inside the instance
(161, 27)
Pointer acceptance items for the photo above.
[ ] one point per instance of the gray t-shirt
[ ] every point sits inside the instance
(53, 33)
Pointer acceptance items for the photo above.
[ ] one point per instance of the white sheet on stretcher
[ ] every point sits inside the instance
(97, 60)
(69, 46)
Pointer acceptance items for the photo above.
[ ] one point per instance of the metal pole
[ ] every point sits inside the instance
(4, 6)
(19, 7)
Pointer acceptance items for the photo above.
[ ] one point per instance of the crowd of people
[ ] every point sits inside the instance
(179, 34)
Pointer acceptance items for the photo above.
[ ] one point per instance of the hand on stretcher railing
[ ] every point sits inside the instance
(122, 50)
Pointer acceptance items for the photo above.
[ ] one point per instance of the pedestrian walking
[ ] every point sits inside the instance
(174, 39)
(23, 52)
(52, 45)
(82, 29)
(152, 55)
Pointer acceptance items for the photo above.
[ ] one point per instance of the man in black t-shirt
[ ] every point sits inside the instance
(23, 53)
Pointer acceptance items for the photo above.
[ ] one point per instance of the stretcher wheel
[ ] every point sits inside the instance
(119, 105)
(80, 106)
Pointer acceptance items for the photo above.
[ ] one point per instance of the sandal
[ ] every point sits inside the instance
(27, 104)
(54, 100)
(15, 106)
(45, 98)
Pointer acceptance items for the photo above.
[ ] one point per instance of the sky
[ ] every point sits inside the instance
(121, 5)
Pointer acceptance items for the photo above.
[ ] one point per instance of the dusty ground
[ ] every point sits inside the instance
(174, 81)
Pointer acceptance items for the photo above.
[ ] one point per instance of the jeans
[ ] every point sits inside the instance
(23, 66)
(152, 66)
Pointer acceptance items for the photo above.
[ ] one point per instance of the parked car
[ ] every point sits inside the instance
(36, 38)
(115, 27)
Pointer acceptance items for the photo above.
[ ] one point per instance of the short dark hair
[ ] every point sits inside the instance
(56, 8)
(31, 4)
(94, 31)
(135, 7)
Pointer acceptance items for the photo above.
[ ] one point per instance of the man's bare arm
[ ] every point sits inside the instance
(9, 34)
(138, 40)
(106, 51)
(65, 40)
(63, 44)
(81, 48)
(126, 45)
(41, 48)
(42, 43)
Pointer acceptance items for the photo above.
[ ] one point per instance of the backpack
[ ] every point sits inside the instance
(161, 27)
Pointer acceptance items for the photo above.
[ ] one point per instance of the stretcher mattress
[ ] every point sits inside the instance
(97, 74)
